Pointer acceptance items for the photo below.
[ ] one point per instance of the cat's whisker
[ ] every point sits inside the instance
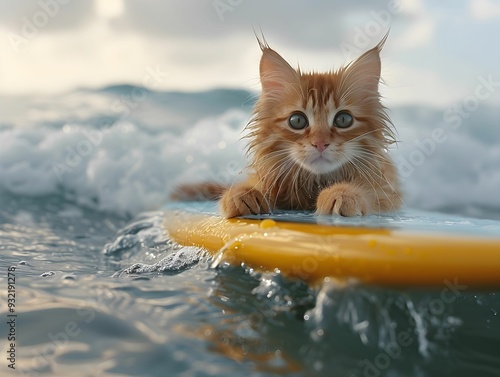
(363, 135)
(289, 165)
(271, 156)
(374, 137)
(270, 165)
(295, 181)
(275, 165)
(374, 159)
(367, 163)
(307, 180)
(282, 166)
(367, 178)
(368, 173)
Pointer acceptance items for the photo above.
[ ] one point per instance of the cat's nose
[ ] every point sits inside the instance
(320, 146)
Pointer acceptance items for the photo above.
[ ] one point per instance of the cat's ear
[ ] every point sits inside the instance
(275, 73)
(365, 71)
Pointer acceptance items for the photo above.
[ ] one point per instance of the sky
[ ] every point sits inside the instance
(437, 53)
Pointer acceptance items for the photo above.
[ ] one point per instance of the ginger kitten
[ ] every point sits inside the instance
(317, 141)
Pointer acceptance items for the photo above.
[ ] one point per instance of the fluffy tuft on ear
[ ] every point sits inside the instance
(275, 73)
(364, 72)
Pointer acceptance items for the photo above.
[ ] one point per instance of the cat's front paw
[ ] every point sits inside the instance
(242, 201)
(343, 200)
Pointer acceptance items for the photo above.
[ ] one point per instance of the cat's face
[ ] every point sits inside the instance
(321, 121)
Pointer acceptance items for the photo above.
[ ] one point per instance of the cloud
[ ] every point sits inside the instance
(61, 15)
(407, 84)
(484, 9)
(418, 34)
(419, 26)
(323, 25)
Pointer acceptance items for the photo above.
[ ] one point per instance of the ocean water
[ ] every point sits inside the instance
(101, 290)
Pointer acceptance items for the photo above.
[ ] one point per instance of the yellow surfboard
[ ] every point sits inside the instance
(396, 249)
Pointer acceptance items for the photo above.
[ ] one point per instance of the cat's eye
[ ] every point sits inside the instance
(298, 121)
(343, 119)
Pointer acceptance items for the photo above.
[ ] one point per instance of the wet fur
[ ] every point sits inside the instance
(354, 176)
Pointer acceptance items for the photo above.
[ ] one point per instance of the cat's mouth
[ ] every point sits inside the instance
(321, 164)
(320, 160)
